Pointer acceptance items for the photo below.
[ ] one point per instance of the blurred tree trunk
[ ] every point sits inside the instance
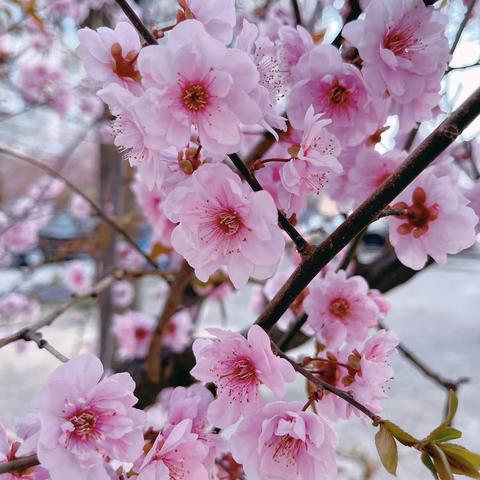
(111, 203)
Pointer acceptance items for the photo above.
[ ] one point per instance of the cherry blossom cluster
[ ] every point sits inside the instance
(215, 77)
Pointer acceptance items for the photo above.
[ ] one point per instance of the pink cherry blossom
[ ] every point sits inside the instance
(129, 132)
(123, 293)
(14, 303)
(128, 257)
(84, 417)
(338, 187)
(46, 189)
(9, 451)
(437, 222)
(79, 207)
(133, 331)
(41, 83)
(238, 366)
(77, 277)
(78, 10)
(20, 235)
(314, 159)
(380, 301)
(272, 82)
(222, 223)
(176, 453)
(110, 56)
(474, 196)
(192, 403)
(217, 16)
(282, 442)
(335, 89)
(292, 43)
(362, 371)
(178, 332)
(370, 170)
(196, 81)
(278, 16)
(404, 54)
(270, 179)
(339, 308)
(152, 205)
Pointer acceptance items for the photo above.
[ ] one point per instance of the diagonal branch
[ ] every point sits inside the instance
(462, 26)
(174, 299)
(322, 385)
(443, 136)
(37, 337)
(297, 12)
(19, 464)
(137, 23)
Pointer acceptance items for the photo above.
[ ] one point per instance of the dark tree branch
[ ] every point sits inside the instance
(443, 136)
(353, 13)
(34, 336)
(19, 464)
(297, 13)
(462, 26)
(137, 23)
(292, 332)
(326, 386)
(386, 272)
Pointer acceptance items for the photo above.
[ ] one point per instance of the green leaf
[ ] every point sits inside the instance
(427, 461)
(402, 436)
(452, 407)
(441, 463)
(387, 449)
(443, 434)
(459, 451)
(461, 466)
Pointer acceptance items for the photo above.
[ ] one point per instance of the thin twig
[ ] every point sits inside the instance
(414, 132)
(435, 377)
(411, 138)
(19, 464)
(443, 136)
(303, 247)
(137, 23)
(322, 385)
(297, 13)
(290, 334)
(37, 337)
(350, 255)
(462, 26)
(53, 173)
(172, 303)
(463, 67)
